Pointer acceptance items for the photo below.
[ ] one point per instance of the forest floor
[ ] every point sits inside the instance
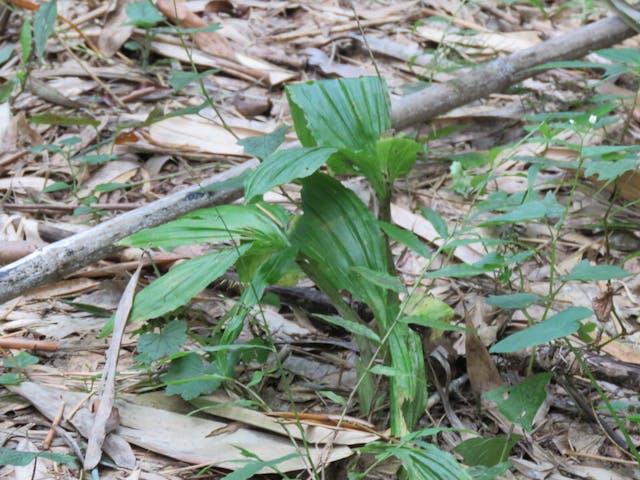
(85, 136)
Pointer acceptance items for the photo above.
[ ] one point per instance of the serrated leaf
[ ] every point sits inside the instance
(262, 146)
(407, 238)
(158, 345)
(513, 301)
(183, 377)
(487, 451)
(520, 403)
(43, 23)
(585, 272)
(285, 166)
(559, 325)
(183, 282)
(353, 327)
(349, 113)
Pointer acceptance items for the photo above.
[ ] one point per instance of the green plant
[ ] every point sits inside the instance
(16, 363)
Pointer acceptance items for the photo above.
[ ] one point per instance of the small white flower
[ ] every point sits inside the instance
(593, 119)
(572, 121)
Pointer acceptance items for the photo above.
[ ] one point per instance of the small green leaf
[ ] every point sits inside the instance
(109, 187)
(43, 24)
(462, 270)
(431, 322)
(529, 211)
(514, 301)
(384, 370)
(20, 361)
(179, 79)
(285, 166)
(25, 40)
(183, 377)
(560, 325)
(353, 327)
(487, 451)
(436, 221)
(396, 156)
(520, 403)
(5, 53)
(609, 170)
(98, 159)
(62, 120)
(334, 397)
(169, 341)
(9, 379)
(407, 238)
(585, 272)
(262, 146)
(381, 279)
(57, 186)
(143, 14)
(21, 459)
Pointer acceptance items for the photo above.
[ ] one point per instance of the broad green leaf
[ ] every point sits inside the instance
(487, 451)
(213, 225)
(25, 40)
(560, 325)
(520, 403)
(50, 118)
(143, 14)
(428, 311)
(43, 23)
(353, 327)
(529, 211)
(407, 238)
(629, 56)
(285, 166)
(185, 377)
(338, 232)
(585, 272)
(381, 279)
(428, 462)
(513, 301)
(262, 146)
(179, 79)
(348, 113)
(157, 345)
(175, 288)
(438, 223)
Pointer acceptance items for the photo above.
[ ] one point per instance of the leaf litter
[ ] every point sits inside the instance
(103, 88)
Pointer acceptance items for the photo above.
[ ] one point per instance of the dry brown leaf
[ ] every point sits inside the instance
(483, 373)
(116, 30)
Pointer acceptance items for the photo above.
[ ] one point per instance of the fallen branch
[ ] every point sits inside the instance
(63, 257)
(59, 259)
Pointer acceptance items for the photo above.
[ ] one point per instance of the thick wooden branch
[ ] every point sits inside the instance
(62, 258)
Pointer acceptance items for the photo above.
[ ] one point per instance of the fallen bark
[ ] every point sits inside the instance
(63, 257)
